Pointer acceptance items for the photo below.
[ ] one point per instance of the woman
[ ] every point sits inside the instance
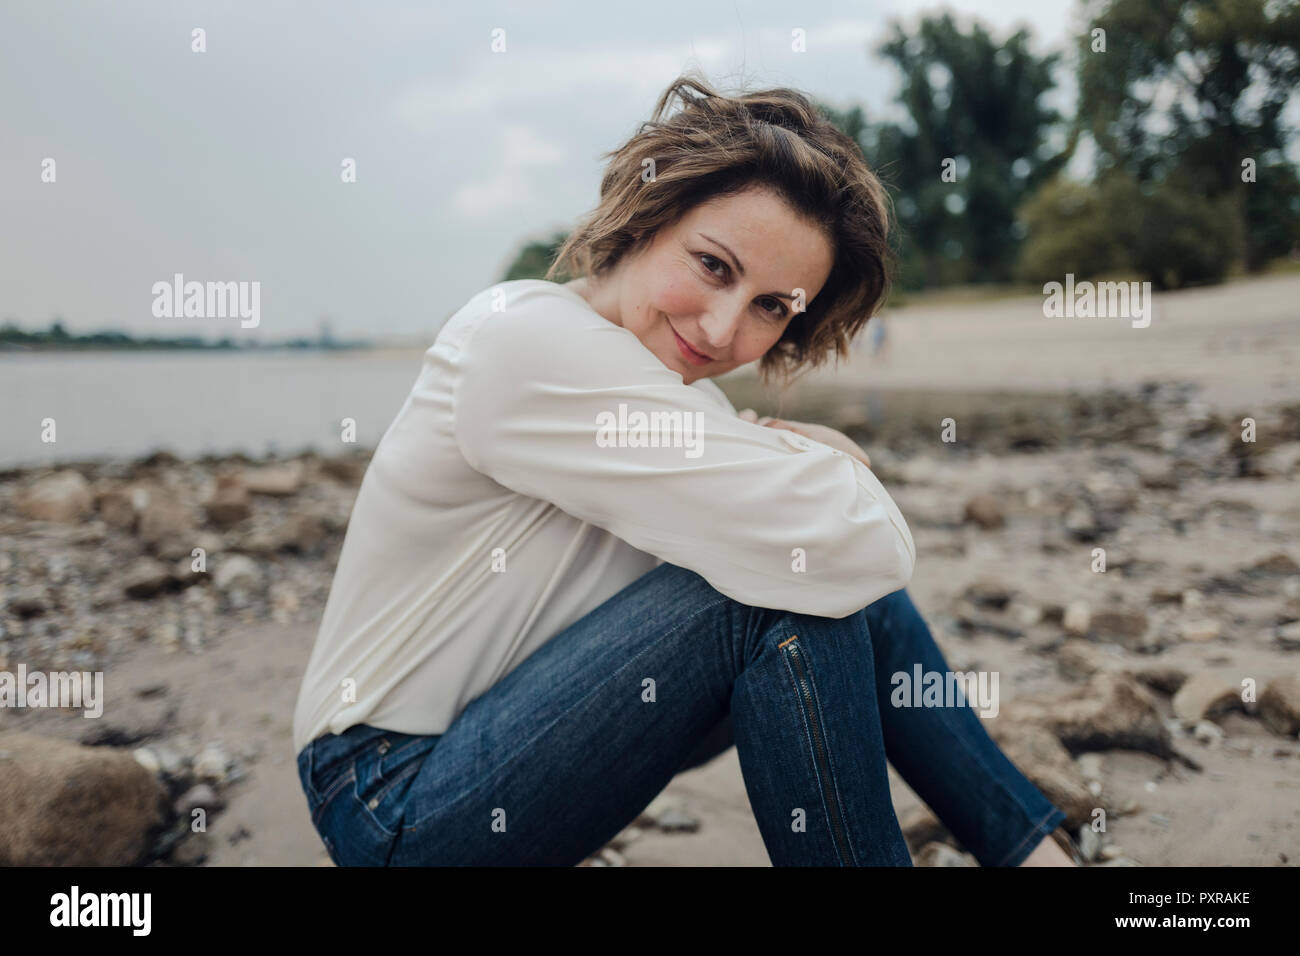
(573, 570)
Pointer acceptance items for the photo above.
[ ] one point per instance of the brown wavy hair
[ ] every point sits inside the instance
(717, 146)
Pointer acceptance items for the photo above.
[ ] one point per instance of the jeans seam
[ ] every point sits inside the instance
(1037, 830)
(505, 764)
(833, 783)
(332, 791)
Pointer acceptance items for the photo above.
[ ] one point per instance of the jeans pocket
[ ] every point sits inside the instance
(383, 776)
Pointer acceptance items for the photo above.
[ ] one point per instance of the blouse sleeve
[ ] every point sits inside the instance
(555, 402)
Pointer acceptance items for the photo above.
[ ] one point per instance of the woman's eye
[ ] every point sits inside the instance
(705, 255)
(777, 313)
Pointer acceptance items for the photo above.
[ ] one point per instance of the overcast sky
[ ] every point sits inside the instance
(225, 165)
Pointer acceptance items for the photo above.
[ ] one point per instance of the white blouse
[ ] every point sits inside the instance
(544, 460)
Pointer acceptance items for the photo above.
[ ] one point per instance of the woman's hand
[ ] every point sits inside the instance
(822, 433)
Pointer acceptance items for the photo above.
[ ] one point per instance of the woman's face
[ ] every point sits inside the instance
(716, 290)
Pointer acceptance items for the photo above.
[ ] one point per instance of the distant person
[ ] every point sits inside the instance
(879, 329)
(530, 632)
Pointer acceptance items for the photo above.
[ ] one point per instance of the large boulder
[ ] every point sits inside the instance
(1112, 710)
(64, 496)
(68, 805)
(1048, 765)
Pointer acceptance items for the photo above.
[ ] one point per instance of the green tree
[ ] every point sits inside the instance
(1185, 92)
(974, 107)
(535, 258)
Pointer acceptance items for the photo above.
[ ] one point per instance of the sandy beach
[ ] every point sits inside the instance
(1121, 689)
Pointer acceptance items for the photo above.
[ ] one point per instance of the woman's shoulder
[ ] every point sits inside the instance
(513, 303)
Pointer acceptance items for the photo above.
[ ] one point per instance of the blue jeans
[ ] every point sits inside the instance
(569, 747)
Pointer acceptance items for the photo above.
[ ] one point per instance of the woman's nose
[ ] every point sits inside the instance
(719, 325)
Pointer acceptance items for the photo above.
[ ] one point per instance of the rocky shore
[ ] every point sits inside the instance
(1124, 560)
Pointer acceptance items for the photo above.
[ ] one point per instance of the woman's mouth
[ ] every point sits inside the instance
(688, 353)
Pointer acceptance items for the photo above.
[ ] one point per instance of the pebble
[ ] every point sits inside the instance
(612, 857)
(1089, 843)
(1078, 618)
(212, 764)
(1199, 631)
(147, 759)
(673, 820)
(1208, 732)
(201, 795)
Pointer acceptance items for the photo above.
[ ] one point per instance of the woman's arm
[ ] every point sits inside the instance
(766, 515)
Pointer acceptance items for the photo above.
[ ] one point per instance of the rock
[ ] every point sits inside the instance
(1279, 705)
(1081, 524)
(941, 854)
(1090, 765)
(1048, 765)
(279, 479)
(1159, 475)
(212, 764)
(237, 572)
(1288, 635)
(1120, 626)
(348, 471)
(985, 511)
(612, 857)
(171, 762)
(1167, 680)
(199, 796)
(1111, 711)
(1024, 614)
(673, 820)
(1200, 631)
(116, 509)
(1089, 843)
(970, 619)
(165, 526)
(302, 533)
(666, 807)
(284, 601)
(67, 805)
(192, 850)
(31, 601)
(145, 578)
(1205, 695)
(63, 497)
(1077, 619)
(146, 758)
(229, 508)
(1208, 733)
(125, 731)
(183, 573)
(1275, 565)
(988, 592)
(629, 834)
(920, 826)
